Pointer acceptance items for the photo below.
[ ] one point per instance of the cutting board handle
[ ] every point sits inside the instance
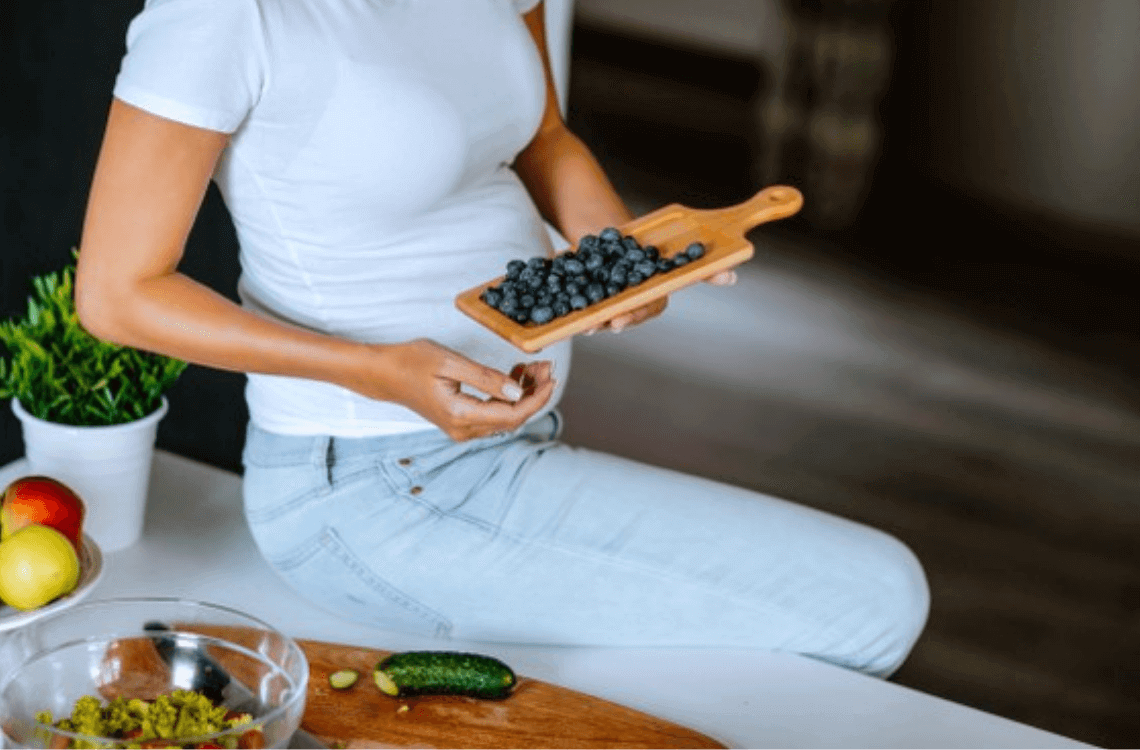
(771, 203)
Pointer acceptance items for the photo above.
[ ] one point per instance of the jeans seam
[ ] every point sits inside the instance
(495, 530)
(257, 517)
(299, 555)
(331, 541)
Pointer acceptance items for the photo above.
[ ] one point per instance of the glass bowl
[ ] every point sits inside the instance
(143, 648)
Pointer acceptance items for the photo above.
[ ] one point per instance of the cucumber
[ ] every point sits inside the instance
(444, 673)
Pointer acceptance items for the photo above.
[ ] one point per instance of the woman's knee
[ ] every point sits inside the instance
(902, 606)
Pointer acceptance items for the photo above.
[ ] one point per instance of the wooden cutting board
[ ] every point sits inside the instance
(670, 229)
(536, 715)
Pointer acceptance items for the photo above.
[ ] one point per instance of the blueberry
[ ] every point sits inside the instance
(509, 306)
(619, 276)
(537, 263)
(522, 316)
(543, 298)
(609, 234)
(612, 289)
(679, 260)
(542, 314)
(634, 256)
(664, 264)
(695, 250)
(534, 282)
(595, 293)
(514, 268)
(582, 280)
(646, 268)
(652, 252)
(493, 297)
(561, 307)
(578, 302)
(575, 267)
(594, 260)
(634, 279)
(630, 243)
(571, 288)
(526, 301)
(554, 282)
(600, 274)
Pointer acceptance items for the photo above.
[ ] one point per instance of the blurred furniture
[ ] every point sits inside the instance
(196, 545)
(824, 64)
(818, 124)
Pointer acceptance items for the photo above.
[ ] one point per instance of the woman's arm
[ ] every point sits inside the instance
(148, 186)
(566, 182)
(568, 185)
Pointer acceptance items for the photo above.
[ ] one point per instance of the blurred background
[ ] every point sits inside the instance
(945, 343)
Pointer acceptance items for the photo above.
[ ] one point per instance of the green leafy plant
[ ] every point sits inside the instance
(61, 373)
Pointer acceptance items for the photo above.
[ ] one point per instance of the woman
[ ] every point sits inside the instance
(402, 466)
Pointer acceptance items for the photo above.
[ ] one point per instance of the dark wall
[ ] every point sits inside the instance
(58, 61)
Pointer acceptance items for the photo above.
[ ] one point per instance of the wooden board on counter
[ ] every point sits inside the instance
(670, 229)
(536, 715)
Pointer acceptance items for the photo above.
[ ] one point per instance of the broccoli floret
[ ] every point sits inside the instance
(181, 715)
(161, 719)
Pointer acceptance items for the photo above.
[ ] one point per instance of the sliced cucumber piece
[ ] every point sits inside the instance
(343, 679)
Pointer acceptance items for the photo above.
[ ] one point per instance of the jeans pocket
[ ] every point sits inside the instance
(328, 572)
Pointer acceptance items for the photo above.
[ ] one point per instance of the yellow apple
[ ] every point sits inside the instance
(37, 564)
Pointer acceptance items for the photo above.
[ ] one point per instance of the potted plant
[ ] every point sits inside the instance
(89, 410)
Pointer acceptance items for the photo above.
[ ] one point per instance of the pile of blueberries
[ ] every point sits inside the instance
(542, 289)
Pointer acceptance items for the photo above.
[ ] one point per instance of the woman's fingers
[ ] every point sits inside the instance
(724, 278)
(634, 317)
(470, 417)
(514, 398)
(487, 380)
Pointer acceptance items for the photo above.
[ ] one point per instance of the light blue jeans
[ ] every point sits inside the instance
(524, 539)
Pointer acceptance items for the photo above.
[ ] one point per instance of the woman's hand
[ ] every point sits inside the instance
(427, 378)
(655, 308)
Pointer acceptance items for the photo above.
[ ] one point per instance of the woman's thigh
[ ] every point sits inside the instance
(531, 540)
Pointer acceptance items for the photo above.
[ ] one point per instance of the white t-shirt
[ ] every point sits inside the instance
(368, 172)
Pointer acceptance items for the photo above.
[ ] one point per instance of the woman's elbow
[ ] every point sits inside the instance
(99, 310)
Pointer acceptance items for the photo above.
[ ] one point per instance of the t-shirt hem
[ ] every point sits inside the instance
(363, 431)
(169, 109)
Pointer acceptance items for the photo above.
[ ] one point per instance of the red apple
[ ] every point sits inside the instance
(45, 501)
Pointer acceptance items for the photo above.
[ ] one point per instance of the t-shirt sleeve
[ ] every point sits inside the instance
(199, 62)
(525, 6)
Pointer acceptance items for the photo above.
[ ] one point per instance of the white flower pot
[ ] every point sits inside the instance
(108, 467)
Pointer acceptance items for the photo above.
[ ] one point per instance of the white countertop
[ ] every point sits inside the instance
(196, 545)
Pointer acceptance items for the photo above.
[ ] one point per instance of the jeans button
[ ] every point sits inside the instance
(405, 462)
(416, 490)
